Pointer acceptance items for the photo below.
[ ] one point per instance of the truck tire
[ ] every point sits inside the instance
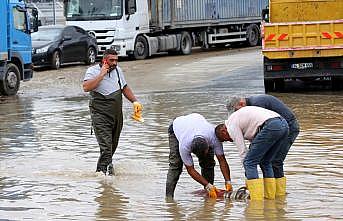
(253, 35)
(336, 83)
(141, 48)
(185, 43)
(10, 82)
(274, 85)
(56, 60)
(268, 85)
(91, 56)
(279, 84)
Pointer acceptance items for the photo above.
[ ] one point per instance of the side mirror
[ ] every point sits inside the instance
(20, 9)
(130, 7)
(34, 21)
(265, 14)
(132, 10)
(66, 38)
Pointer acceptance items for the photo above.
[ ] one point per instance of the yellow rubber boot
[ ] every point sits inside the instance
(280, 186)
(256, 190)
(269, 188)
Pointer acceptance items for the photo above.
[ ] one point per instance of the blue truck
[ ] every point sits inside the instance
(17, 23)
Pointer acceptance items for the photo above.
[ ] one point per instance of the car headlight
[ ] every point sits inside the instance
(42, 50)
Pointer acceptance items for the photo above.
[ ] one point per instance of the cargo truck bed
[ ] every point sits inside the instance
(302, 39)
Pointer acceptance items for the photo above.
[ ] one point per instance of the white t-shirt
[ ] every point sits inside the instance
(190, 126)
(110, 82)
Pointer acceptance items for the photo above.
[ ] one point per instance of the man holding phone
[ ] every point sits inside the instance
(106, 84)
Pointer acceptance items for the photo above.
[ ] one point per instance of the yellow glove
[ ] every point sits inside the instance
(137, 114)
(137, 107)
(212, 190)
(228, 186)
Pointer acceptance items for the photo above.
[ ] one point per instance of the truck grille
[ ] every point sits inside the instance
(104, 39)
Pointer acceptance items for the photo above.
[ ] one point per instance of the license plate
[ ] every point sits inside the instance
(302, 66)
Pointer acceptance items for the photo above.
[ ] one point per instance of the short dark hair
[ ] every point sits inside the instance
(219, 132)
(219, 127)
(199, 146)
(110, 51)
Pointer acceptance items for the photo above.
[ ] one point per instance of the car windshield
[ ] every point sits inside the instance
(93, 9)
(46, 34)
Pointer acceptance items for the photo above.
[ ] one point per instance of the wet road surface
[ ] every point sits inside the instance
(48, 156)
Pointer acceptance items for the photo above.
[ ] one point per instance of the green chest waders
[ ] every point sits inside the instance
(107, 121)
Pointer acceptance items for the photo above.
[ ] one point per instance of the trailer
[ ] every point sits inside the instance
(302, 40)
(15, 44)
(142, 28)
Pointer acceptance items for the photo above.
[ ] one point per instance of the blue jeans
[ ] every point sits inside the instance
(280, 158)
(265, 147)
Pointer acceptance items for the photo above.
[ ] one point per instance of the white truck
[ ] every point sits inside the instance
(141, 28)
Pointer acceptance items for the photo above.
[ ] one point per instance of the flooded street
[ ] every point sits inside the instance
(48, 156)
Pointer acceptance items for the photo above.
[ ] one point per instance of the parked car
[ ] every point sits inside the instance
(54, 45)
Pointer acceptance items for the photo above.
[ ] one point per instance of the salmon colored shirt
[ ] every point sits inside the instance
(243, 125)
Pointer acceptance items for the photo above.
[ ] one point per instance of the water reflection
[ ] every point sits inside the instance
(206, 210)
(174, 210)
(47, 159)
(112, 205)
(16, 120)
(266, 210)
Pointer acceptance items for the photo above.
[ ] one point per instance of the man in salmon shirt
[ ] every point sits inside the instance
(267, 131)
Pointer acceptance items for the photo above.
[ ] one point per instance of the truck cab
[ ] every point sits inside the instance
(115, 24)
(15, 45)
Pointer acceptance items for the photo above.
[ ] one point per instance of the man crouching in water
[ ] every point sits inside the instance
(267, 131)
(193, 134)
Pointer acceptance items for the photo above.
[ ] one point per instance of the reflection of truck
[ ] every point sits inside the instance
(15, 45)
(140, 28)
(303, 39)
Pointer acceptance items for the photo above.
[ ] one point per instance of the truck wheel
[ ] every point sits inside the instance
(186, 43)
(56, 60)
(253, 35)
(141, 48)
(10, 82)
(91, 55)
(279, 84)
(336, 83)
(268, 85)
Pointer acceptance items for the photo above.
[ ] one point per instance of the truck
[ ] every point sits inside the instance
(141, 28)
(302, 40)
(15, 44)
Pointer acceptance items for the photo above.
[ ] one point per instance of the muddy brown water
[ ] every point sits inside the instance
(48, 156)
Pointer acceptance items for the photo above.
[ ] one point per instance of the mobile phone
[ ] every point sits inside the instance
(104, 61)
(110, 68)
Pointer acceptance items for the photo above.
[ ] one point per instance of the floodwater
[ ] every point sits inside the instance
(48, 157)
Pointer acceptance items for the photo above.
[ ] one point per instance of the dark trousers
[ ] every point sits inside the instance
(107, 123)
(175, 164)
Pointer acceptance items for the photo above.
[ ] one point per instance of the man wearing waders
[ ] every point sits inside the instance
(267, 131)
(272, 103)
(193, 134)
(106, 84)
